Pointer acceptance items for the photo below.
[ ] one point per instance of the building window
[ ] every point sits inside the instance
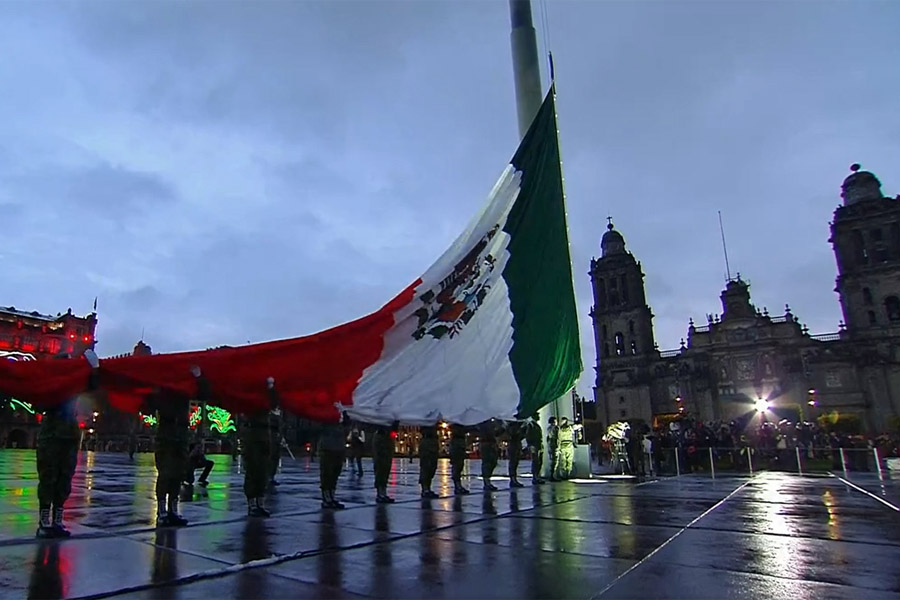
(623, 414)
(605, 350)
(624, 285)
(895, 239)
(621, 399)
(631, 327)
(867, 296)
(601, 293)
(892, 308)
(872, 319)
(605, 332)
(620, 344)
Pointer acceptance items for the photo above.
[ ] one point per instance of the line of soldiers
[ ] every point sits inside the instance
(261, 440)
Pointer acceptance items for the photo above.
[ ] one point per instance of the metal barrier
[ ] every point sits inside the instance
(747, 460)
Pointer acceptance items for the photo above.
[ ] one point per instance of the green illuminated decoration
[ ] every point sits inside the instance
(149, 420)
(220, 419)
(16, 404)
(195, 417)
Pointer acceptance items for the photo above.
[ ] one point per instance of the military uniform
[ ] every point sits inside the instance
(57, 456)
(535, 438)
(383, 454)
(332, 451)
(428, 460)
(553, 448)
(458, 454)
(487, 444)
(170, 453)
(357, 444)
(514, 435)
(257, 460)
(566, 450)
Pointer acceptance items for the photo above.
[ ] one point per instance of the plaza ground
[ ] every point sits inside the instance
(773, 535)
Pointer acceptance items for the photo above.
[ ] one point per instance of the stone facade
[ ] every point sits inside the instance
(747, 359)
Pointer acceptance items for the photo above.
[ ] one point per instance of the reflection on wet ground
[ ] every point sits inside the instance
(775, 535)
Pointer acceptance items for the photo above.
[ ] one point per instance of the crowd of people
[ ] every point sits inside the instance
(687, 445)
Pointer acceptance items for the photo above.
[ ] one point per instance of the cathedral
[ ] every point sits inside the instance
(748, 361)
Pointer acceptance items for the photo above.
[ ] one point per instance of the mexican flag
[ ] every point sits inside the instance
(489, 331)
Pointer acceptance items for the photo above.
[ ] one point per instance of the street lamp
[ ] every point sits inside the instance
(762, 405)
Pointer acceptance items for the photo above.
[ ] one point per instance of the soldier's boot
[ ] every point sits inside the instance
(45, 527)
(382, 497)
(427, 493)
(61, 530)
(488, 486)
(458, 488)
(175, 518)
(334, 501)
(326, 500)
(162, 514)
(256, 508)
(514, 482)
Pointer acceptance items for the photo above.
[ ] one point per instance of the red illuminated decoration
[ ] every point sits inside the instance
(81, 425)
(44, 336)
(40, 418)
(393, 435)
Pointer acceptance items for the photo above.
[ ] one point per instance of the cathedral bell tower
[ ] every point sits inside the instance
(865, 234)
(623, 329)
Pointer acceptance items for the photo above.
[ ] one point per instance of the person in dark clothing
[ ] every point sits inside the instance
(515, 433)
(357, 445)
(428, 460)
(197, 460)
(257, 447)
(458, 454)
(383, 454)
(57, 457)
(534, 436)
(487, 443)
(332, 449)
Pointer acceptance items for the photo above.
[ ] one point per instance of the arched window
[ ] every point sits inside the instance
(892, 308)
(613, 292)
(872, 319)
(601, 293)
(895, 239)
(623, 283)
(631, 327)
(867, 296)
(620, 344)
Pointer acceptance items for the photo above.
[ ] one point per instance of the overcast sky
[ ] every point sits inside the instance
(224, 172)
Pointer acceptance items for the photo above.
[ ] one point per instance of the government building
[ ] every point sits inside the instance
(747, 360)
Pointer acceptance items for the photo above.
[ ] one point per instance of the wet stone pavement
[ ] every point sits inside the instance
(772, 536)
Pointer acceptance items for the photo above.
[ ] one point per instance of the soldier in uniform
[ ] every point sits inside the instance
(535, 438)
(357, 439)
(383, 455)
(514, 434)
(458, 454)
(57, 457)
(332, 450)
(566, 449)
(275, 437)
(256, 444)
(171, 450)
(487, 444)
(428, 460)
(553, 447)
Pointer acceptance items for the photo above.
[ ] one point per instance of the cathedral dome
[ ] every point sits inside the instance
(612, 241)
(860, 186)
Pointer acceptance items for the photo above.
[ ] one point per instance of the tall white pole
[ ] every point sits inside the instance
(526, 68)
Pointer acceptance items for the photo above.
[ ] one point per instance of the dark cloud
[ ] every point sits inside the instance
(223, 172)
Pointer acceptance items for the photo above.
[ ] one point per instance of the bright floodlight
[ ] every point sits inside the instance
(761, 405)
